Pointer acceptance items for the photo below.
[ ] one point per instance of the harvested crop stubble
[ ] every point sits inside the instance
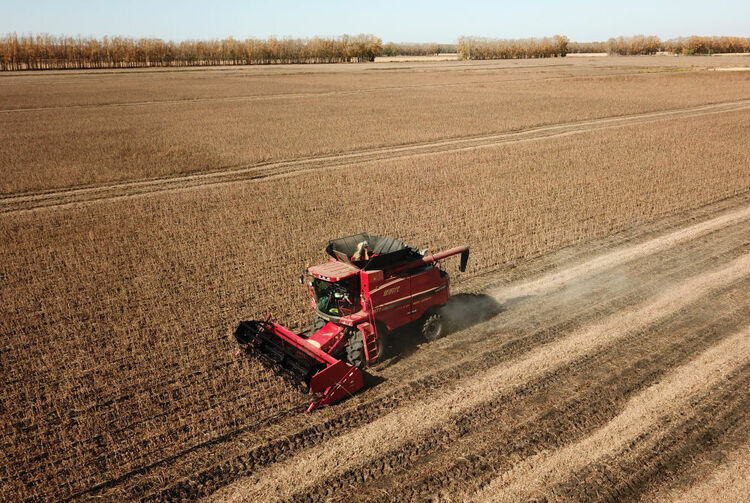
(573, 401)
(731, 480)
(117, 314)
(65, 147)
(668, 397)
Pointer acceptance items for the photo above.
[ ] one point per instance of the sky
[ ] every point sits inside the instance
(418, 21)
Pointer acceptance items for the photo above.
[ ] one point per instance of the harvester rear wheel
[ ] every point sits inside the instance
(433, 326)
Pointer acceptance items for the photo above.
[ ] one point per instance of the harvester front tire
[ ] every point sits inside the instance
(355, 350)
(433, 327)
(317, 324)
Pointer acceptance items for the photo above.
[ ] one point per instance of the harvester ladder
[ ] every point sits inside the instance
(370, 340)
(371, 344)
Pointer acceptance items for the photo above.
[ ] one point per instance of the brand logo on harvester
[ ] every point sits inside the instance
(391, 291)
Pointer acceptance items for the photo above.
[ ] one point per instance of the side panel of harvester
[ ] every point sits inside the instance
(406, 297)
(429, 289)
(390, 298)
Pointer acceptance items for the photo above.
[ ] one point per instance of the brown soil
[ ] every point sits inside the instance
(600, 350)
(66, 130)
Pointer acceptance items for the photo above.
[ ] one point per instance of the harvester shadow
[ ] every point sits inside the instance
(463, 311)
(371, 380)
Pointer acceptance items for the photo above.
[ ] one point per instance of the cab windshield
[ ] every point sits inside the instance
(336, 299)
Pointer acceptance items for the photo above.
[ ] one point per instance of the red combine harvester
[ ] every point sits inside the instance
(369, 287)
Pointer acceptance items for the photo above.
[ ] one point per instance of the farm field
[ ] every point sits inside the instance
(65, 130)
(605, 351)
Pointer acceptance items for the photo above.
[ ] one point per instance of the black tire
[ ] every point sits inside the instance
(382, 341)
(317, 324)
(355, 348)
(433, 326)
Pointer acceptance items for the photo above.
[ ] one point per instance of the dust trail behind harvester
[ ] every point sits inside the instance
(578, 280)
(572, 276)
(464, 310)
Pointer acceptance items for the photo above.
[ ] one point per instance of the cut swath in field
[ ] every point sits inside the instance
(668, 397)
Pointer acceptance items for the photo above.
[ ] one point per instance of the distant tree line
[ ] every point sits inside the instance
(488, 48)
(412, 49)
(638, 44)
(707, 45)
(581, 47)
(39, 52)
(651, 44)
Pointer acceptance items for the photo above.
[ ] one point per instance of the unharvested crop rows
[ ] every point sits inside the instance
(69, 196)
(53, 149)
(120, 379)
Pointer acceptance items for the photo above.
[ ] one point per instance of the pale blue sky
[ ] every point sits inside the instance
(433, 21)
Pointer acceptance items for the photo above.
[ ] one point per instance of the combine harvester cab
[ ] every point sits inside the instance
(370, 286)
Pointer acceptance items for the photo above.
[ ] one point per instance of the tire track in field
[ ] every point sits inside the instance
(309, 468)
(675, 445)
(731, 479)
(374, 404)
(667, 398)
(16, 203)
